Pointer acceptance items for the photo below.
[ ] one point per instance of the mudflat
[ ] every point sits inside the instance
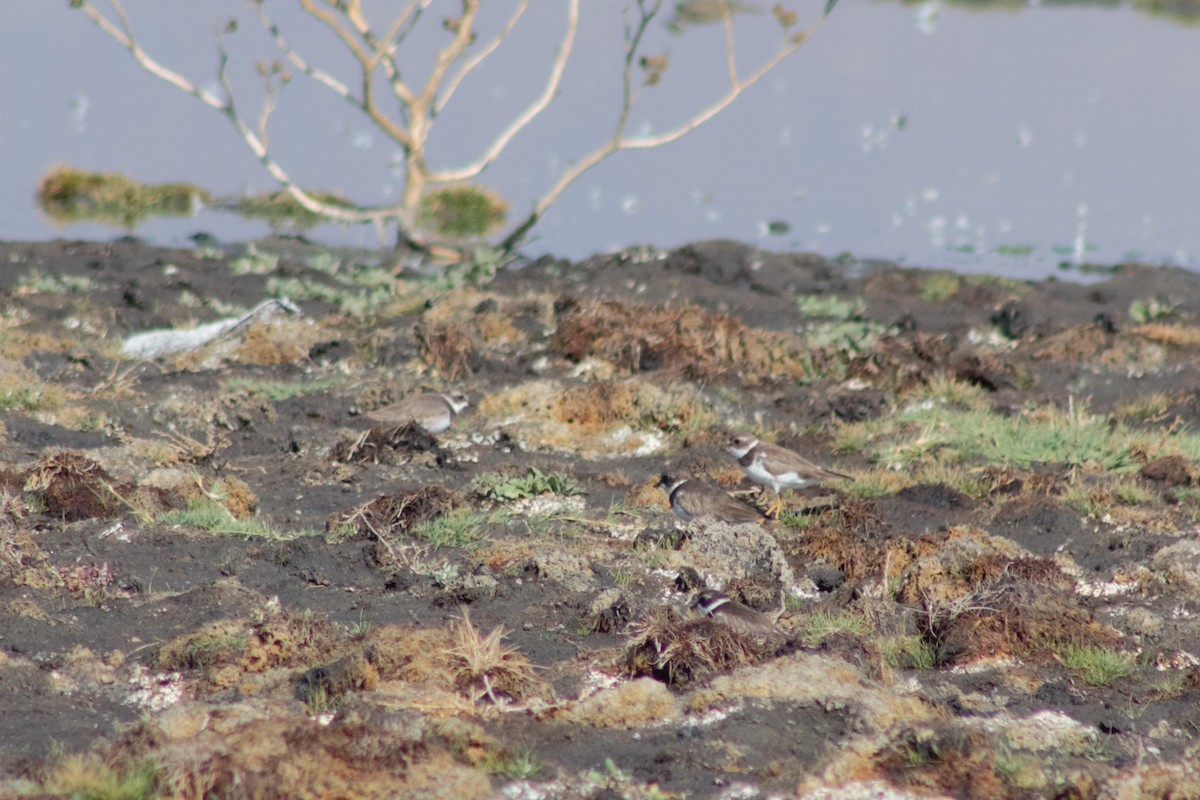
(219, 577)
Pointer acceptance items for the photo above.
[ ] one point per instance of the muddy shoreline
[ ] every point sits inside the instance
(218, 577)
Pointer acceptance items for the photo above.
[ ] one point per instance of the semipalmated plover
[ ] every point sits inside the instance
(434, 411)
(722, 608)
(777, 467)
(691, 498)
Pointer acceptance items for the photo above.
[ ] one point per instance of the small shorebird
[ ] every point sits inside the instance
(691, 498)
(777, 467)
(434, 411)
(722, 608)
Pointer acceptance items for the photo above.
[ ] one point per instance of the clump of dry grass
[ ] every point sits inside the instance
(679, 651)
(597, 418)
(74, 487)
(225, 652)
(485, 668)
(387, 445)
(1181, 336)
(1014, 616)
(687, 340)
(389, 516)
(446, 349)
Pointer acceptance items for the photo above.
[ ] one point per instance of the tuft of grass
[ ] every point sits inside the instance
(796, 521)
(909, 652)
(461, 212)
(86, 777)
(281, 211)
(1148, 309)
(969, 482)
(18, 392)
(1020, 769)
(209, 515)
(1050, 435)
(517, 765)
(461, 528)
(616, 782)
(1096, 665)
(506, 488)
(852, 438)
(36, 282)
(938, 287)
(1130, 493)
(1170, 686)
(68, 195)
(877, 483)
(1152, 407)
(821, 624)
(485, 668)
(830, 306)
(947, 389)
(320, 701)
(358, 290)
(254, 262)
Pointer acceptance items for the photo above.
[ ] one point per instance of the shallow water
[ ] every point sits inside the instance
(1004, 141)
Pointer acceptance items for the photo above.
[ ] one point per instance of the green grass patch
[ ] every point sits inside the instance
(930, 431)
(321, 701)
(876, 483)
(822, 624)
(461, 528)
(830, 306)
(86, 777)
(461, 212)
(19, 393)
(946, 389)
(1149, 309)
(68, 195)
(938, 287)
(909, 652)
(254, 262)
(837, 323)
(1088, 500)
(281, 211)
(1130, 493)
(209, 515)
(36, 282)
(358, 290)
(507, 488)
(518, 765)
(1097, 666)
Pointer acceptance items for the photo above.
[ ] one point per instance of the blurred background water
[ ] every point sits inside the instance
(1003, 137)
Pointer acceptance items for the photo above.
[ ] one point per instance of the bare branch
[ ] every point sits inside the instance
(317, 74)
(124, 36)
(464, 31)
(365, 103)
(270, 103)
(529, 114)
(486, 51)
(330, 20)
(730, 55)
(619, 142)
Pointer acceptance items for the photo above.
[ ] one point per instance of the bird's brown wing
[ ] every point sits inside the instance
(424, 409)
(780, 461)
(700, 500)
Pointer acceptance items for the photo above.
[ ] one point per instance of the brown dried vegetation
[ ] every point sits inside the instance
(686, 340)
(390, 445)
(679, 651)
